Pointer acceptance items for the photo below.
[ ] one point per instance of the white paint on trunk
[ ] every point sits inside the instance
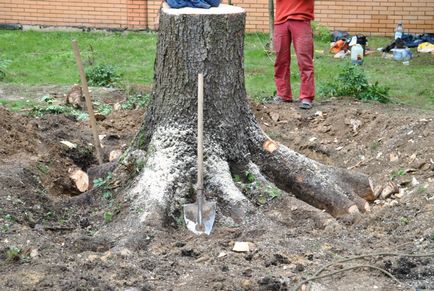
(222, 9)
(165, 163)
(219, 175)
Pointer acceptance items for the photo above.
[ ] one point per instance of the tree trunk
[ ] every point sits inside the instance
(192, 41)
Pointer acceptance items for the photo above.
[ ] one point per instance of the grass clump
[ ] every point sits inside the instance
(352, 81)
(3, 66)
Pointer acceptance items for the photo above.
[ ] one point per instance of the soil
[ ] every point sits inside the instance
(47, 228)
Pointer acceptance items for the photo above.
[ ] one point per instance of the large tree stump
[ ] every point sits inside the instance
(191, 41)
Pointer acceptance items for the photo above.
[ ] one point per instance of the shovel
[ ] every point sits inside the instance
(200, 216)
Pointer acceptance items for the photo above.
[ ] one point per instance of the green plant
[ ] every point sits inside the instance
(250, 177)
(13, 253)
(273, 191)
(102, 75)
(9, 217)
(43, 168)
(108, 216)
(404, 220)
(136, 101)
(5, 228)
(104, 109)
(102, 182)
(421, 189)
(375, 145)
(398, 173)
(321, 32)
(237, 178)
(107, 195)
(352, 81)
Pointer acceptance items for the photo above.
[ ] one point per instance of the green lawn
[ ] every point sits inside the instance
(46, 58)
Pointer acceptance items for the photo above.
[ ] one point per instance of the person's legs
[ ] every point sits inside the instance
(282, 43)
(302, 37)
(200, 4)
(177, 3)
(213, 3)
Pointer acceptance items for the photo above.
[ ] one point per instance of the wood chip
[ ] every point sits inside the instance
(241, 247)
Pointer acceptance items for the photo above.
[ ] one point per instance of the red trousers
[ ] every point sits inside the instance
(299, 32)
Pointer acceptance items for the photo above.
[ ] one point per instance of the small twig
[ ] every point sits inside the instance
(361, 257)
(359, 163)
(344, 270)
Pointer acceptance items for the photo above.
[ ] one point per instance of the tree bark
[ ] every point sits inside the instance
(192, 41)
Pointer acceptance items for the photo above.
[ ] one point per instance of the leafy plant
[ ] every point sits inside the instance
(250, 177)
(107, 195)
(108, 216)
(404, 220)
(352, 81)
(102, 75)
(136, 101)
(104, 109)
(13, 253)
(273, 192)
(321, 32)
(102, 182)
(398, 173)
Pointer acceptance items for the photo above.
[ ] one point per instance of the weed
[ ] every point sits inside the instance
(250, 177)
(404, 220)
(273, 191)
(397, 173)
(421, 189)
(375, 145)
(237, 179)
(107, 195)
(352, 81)
(103, 182)
(104, 109)
(136, 101)
(108, 216)
(103, 76)
(13, 254)
(9, 217)
(5, 228)
(321, 32)
(43, 168)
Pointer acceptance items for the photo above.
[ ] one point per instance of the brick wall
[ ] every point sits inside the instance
(92, 13)
(367, 16)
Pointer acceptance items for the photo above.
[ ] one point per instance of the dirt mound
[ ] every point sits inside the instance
(47, 238)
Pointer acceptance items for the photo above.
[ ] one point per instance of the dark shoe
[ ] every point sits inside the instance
(306, 104)
(280, 100)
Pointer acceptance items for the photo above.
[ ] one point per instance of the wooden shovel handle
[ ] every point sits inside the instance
(92, 119)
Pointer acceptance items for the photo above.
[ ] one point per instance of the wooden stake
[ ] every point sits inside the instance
(92, 120)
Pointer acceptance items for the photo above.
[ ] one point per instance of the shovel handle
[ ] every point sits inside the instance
(88, 101)
(199, 147)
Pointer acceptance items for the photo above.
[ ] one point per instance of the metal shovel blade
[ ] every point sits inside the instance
(191, 217)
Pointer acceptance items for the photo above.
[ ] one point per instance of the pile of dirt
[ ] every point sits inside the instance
(47, 237)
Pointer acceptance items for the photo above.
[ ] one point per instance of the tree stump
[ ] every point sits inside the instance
(192, 41)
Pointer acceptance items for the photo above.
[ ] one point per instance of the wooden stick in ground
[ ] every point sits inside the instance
(88, 102)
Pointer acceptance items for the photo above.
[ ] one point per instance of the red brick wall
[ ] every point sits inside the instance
(367, 16)
(92, 13)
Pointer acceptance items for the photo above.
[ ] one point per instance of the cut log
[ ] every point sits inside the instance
(80, 178)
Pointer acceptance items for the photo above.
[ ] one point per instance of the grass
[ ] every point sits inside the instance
(41, 58)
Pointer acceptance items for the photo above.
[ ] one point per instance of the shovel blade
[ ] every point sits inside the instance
(191, 217)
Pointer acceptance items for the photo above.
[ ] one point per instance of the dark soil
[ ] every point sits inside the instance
(47, 228)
